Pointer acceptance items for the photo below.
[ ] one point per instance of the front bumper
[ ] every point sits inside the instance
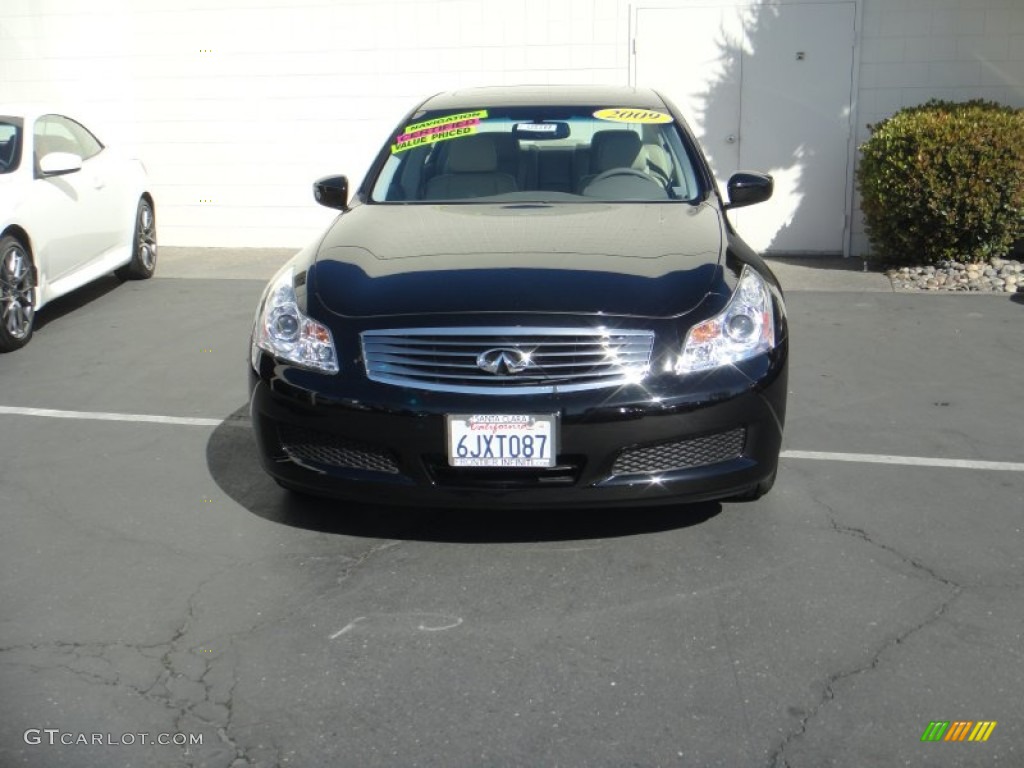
(669, 439)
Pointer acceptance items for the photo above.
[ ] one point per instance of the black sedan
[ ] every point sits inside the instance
(535, 299)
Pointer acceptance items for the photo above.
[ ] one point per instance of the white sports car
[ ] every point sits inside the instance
(71, 210)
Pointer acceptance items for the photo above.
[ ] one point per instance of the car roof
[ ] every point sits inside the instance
(541, 95)
(29, 111)
(23, 111)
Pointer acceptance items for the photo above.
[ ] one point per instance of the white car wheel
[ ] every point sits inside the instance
(17, 295)
(143, 263)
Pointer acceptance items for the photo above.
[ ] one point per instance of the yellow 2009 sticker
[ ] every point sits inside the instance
(627, 115)
(438, 129)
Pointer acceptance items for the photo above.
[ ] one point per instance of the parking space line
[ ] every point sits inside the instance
(52, 413)
(907, 461)
(856, 458)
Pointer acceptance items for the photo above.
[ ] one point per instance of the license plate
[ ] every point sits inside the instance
(501, 440)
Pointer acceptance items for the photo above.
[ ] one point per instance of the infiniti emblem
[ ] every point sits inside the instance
(503, 361)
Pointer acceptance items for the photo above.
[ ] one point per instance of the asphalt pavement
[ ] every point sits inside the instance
(157, 586)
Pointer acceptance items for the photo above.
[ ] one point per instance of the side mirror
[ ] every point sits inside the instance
(59, 163)
(332, 192)
(749, 188)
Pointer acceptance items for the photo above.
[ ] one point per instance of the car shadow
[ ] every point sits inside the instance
(74, 301)
(233, 462)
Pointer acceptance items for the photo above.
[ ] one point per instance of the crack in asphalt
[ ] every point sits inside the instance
(172, 684)
(777, 758)
(860, 533)
(224, 732)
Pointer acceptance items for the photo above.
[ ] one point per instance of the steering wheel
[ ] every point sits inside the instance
(595, 188)
(613, 172)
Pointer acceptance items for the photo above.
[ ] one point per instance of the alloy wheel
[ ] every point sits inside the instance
(17, 291)
(145, 237)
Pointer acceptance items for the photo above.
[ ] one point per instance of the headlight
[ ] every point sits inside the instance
(745, 328)
(283, 331)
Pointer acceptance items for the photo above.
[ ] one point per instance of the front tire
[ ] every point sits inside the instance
(17, 294)
(143, 263)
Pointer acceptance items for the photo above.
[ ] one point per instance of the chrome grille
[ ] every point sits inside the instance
(559, 359)
(681, 454)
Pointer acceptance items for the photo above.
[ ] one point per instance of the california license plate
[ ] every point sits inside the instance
(501, 440)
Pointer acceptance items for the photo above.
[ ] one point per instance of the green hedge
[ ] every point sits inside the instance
(944, 181)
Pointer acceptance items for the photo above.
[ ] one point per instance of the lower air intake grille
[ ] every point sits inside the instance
(311, 446)
(682, 454)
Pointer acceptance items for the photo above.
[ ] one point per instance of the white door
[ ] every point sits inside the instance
(692, 55)
(72, 210)
(765, 87)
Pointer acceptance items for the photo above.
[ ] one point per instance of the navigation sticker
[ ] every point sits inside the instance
(629, 115)
(438, 129)
(446, 120)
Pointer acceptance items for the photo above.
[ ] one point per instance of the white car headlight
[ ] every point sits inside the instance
(745, 328)
(283, 331)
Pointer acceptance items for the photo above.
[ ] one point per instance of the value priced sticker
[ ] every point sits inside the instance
(438, 129)
(628, 115)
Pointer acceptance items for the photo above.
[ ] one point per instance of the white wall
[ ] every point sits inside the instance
(237, 108)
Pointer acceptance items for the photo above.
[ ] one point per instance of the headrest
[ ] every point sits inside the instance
(659, 158)
(614, 149)
(472, 154)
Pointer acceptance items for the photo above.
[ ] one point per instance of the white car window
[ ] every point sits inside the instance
(10, 145)
(55, 133)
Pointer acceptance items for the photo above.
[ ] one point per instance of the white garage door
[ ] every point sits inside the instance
(765, 88)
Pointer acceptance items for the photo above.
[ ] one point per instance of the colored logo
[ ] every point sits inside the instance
(958, 730)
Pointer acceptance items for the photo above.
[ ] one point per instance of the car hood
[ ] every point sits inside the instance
(652, 260)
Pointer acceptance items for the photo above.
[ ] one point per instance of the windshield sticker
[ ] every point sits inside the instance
(446, 120)
(627, 115)
(408, 141)
(438, 129)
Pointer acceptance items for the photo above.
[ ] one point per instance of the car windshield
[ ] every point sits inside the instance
(10, 144)
(538, 154)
